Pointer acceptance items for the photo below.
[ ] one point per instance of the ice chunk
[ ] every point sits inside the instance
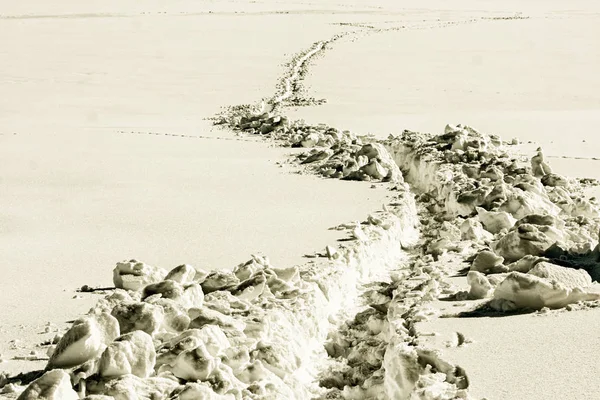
(495, 221)
(195, 364)
(569, 277)
(176, 318)
(522, 203)
(526, 239)
(401, 370)
(214, 339)
(132, 353)
(472, 229)
(187, 295)
(385, 162)
(245, 270)
(488, 262)
(53, 385)
(254, 371)
(219, 280)
(168, 351)
(318, 155)
(110, 301)
(167, 289)
(539, 167)
(375, 170)
(205, 316)
(224, 302)
(139, 315)
(277, 358)
(134, 275)
(520, 290)
(251, 288)
(480, 285)
(236, 358)
(182, 274)
(311, 140)
(84, 341)
(454, 374)
(525, 264)
(291, 274)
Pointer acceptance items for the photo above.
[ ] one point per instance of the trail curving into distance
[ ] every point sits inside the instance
(346, 326)
(421, 277)
(290, 82)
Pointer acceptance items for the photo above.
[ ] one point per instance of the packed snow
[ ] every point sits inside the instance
(346, 325)
(343, 327)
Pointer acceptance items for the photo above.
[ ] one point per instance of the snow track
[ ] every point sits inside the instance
(341, 327)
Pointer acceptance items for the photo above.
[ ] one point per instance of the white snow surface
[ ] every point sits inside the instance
(266, 332)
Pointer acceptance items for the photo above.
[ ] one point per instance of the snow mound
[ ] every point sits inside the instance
(344, 326)
(526, 239)
(53, 385)
(84, 341)
(480, 286)
(134, 275)
(546, 285)
(569, 277)
(254, 332)
(132, 353)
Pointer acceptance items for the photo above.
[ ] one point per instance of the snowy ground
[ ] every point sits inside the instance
(84, 184)
(78, 195)
(531, 79)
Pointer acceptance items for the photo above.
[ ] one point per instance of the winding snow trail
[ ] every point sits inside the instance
(343, 327)
(390, 347)
(413, 289)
